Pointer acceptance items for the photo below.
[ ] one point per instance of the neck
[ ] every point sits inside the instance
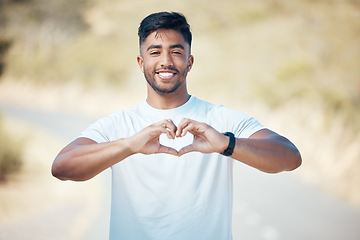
(166, 100)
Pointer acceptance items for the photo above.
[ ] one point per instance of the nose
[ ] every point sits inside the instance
(166, 60)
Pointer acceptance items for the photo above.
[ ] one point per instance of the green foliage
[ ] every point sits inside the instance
(52, 45)
(27, 20)
(342, 105)
(73, 62)
(10, 155)
(4, 46)
(38, 30)
(291, 82)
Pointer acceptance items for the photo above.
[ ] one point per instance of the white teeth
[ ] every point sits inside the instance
(165, 74)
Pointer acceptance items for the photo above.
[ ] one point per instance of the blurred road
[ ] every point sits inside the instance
(266, 207)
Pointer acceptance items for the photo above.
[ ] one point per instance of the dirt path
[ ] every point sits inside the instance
(35, 205)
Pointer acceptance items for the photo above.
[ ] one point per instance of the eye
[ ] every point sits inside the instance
(177, 52)
(154, 53)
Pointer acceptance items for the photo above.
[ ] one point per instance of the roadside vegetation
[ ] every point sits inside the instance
(294, 64)
(10, 154)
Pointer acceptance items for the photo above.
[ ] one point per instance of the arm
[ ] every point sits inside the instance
(83, 158)
(264, 150)
(268, 152)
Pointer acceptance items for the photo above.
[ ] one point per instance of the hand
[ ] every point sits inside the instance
(147, 140)
(206, 138)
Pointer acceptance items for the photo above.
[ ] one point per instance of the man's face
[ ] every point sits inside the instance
(165, 61)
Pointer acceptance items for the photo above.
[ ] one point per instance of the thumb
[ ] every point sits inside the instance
(186, 149)
(168, 150)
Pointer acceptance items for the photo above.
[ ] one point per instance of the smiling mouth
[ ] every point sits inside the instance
(166, 75)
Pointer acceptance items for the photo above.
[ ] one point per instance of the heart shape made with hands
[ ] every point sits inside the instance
(191, 136)
(177, 143)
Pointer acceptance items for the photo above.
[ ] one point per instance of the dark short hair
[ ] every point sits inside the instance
(164, 20)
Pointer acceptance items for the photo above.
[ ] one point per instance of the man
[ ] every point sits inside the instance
(171, 161)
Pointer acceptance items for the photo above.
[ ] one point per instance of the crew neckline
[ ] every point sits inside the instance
(176, 110)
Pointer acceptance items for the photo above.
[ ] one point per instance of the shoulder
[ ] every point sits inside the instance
(218, 110)
(202, 105)
(236, 121)
(122, 115)
(115, 123)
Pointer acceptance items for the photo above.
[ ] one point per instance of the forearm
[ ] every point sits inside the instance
(271, 154)
(80, 162)
(84, 158)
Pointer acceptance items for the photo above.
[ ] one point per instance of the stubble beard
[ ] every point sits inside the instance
(150, 78)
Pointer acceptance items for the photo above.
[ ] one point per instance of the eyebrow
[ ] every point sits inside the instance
(177, 46)
(153, 46)
(171, 47)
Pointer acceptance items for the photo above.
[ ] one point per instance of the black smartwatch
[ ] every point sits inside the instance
(230, 149)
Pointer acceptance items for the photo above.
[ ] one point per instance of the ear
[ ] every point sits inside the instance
(190, 62)
(140, 61)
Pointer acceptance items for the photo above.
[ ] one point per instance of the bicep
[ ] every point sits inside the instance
(264, 133)
(273, 137)
(77, 142)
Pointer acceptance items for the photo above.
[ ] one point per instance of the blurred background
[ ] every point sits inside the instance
(293, 65)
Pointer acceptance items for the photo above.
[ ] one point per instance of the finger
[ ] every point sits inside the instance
(186, 149)
(156, 131)
(186, 129)
(182, 126)
(164, 129)
(169, 126)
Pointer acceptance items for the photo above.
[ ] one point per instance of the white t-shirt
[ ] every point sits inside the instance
(164, 197)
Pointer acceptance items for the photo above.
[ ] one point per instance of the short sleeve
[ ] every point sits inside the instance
(229, 120)
(247, 127)
(99, 131)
